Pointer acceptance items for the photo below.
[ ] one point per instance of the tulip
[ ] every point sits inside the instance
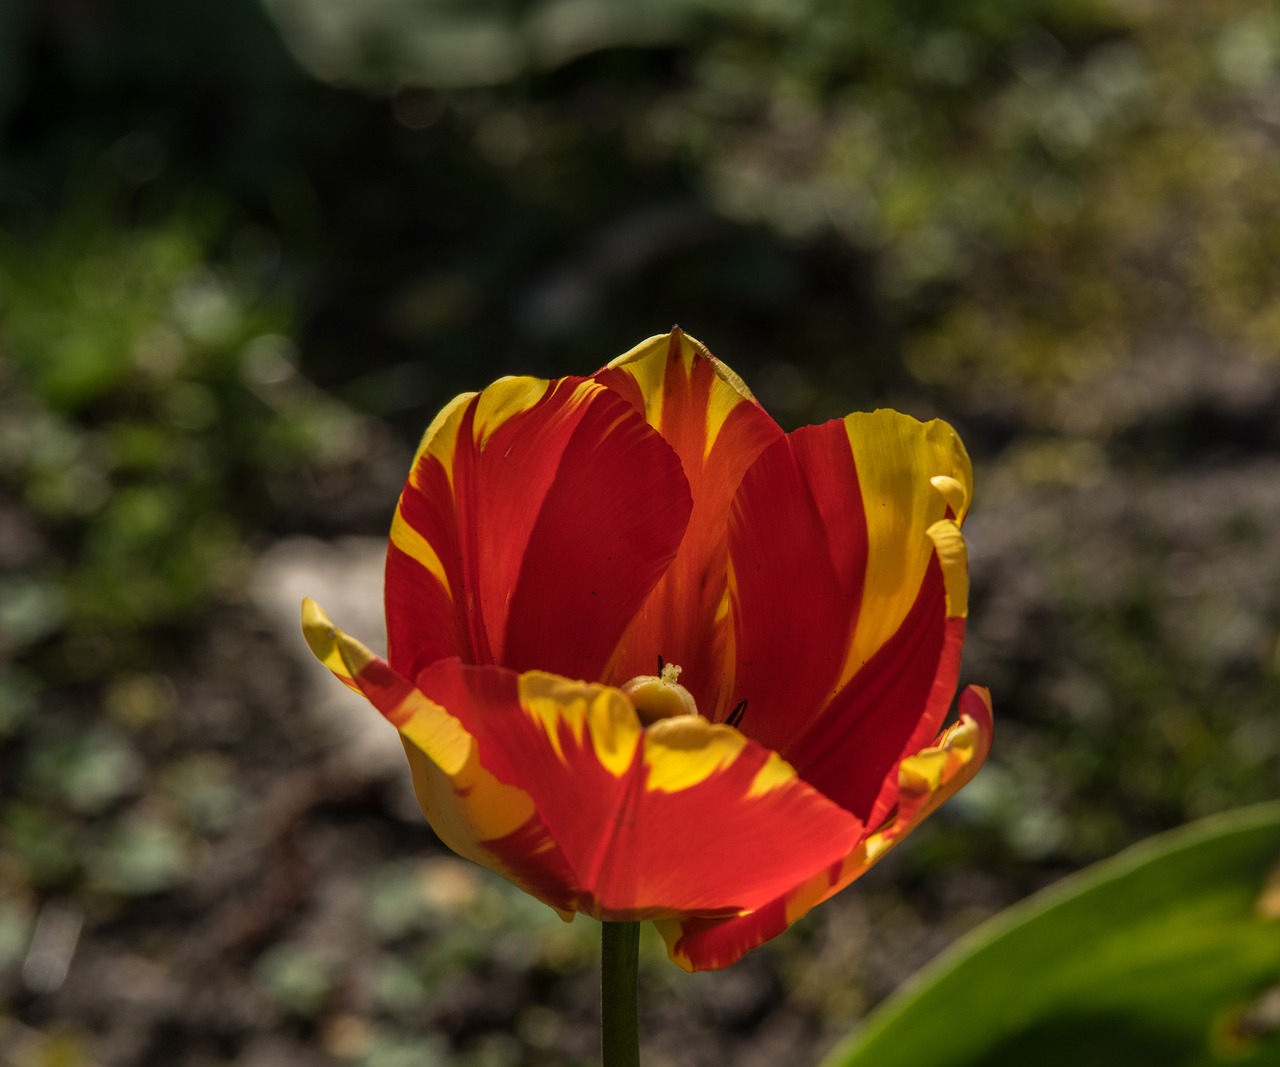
(651, 658)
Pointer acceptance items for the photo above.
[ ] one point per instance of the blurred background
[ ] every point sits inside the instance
(247, 249)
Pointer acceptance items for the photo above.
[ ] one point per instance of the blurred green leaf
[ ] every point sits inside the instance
(15, 932)
(30, 608)
(204, 788)
(472, 44)
(47, 845)
(389, 1048)
(397, 988)
(1168, 953)
(298, 978)
(143, 854)
(18, 701)
(88, 771)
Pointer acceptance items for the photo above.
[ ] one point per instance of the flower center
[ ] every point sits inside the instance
(660, 696)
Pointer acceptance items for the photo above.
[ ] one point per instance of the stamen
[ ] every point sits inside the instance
(660, 696)
(735, 716)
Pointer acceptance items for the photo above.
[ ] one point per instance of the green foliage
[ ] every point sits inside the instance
(299, 979)
(143, 852)
(149, 404)
(87, 771)
(1168, 953)
(1040, 186)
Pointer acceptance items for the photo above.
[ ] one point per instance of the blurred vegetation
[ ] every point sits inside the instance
(149, 413)
(247, 250)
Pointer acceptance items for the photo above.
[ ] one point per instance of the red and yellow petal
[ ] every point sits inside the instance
(492, 823)
(685, 817)
(911, 475)
(536, 520)
(424, 724)
(924, 781)
(797, 546)
(848, 641)
(708, 416)
(426, 612)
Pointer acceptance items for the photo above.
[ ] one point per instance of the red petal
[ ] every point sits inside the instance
(882, 733)
(425, 621)
(850, 750)
(925, 780)
(684, 817)
(798, 545)
(845, 650)
(702, 943)
(704, 412)
(537, 519)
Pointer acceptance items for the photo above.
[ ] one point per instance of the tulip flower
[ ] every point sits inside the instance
(653, 658)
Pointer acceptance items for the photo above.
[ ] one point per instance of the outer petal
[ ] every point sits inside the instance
(925, 780)
(537, 517)
(705, 412)
(477, 816)
(686, 817)
(848, 640)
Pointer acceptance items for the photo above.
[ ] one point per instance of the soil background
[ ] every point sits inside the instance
(247, 251)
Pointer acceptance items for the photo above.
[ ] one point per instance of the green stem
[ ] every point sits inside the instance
(619, 1000)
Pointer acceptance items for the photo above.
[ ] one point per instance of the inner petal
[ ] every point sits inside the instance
(705, 413)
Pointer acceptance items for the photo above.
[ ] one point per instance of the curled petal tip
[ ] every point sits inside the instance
(325, 641)
(938, 772)
(975, 703)
(313, 616)
(953, 492)
(953, 557)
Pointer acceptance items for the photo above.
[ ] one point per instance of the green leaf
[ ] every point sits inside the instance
(1168, 953)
